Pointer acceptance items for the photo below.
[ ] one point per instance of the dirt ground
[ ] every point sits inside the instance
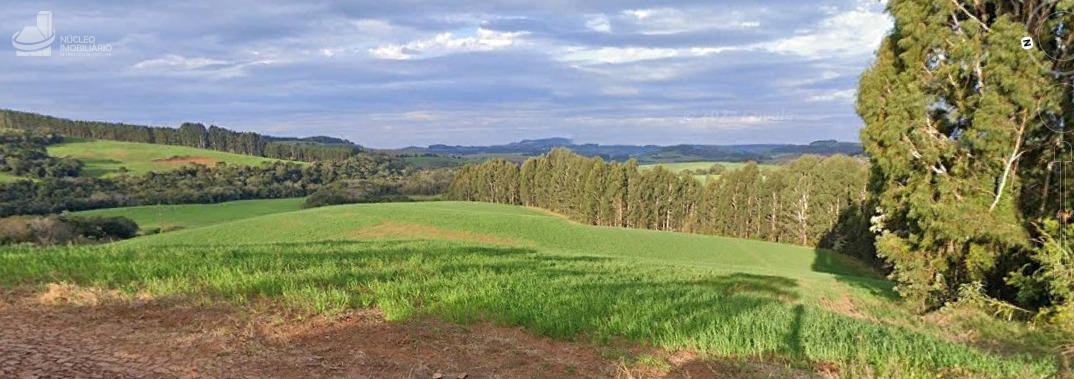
(67, 334)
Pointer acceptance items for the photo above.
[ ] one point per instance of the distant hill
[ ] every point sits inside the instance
(193, 135)
(647, 153)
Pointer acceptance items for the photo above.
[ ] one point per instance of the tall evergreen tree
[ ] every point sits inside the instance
(950, 105)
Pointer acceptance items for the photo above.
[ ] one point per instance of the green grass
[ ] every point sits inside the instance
(681, 166)
(104, 158)
(198, 215)
(465, 262)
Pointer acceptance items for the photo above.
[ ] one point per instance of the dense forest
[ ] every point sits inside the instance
(22, 153)
(188, 134)
(809, 201)
(201, 184)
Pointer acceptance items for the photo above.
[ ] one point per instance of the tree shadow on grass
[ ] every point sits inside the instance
(853, 272)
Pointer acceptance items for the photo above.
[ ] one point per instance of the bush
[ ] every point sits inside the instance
(355, 192)
(104, 228)
(56, 230)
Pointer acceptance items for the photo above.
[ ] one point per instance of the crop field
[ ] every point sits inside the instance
(471, 262)
(197, 215)
(104, 158)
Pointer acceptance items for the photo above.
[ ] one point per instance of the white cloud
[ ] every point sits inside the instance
(599, 23)
(620, 55)
(847, 34)
(178, 65)
(840, 96)
(449, 43)
(666, 21)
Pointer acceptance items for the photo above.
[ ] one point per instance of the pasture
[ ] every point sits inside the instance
(105, 158)
(468, 262)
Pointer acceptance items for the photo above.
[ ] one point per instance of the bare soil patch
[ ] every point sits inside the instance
(69, 331)
(390, 229)
(180, 160)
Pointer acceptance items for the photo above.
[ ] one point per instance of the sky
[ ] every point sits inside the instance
(398, 73)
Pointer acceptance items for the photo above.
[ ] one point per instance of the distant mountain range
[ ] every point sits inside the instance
(648, 153)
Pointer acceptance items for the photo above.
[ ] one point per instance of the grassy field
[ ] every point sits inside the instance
(679, 167)
(465, 262)
(104, 158)
(198, 215)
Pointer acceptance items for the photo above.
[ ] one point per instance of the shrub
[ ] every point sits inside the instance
(354, 192)
(56, 230)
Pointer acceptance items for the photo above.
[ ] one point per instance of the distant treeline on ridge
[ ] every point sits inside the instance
(189, 134)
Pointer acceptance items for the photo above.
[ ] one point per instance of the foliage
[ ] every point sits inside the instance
(801, 202)
(188, 134)
(22, 153)
(54, 230)
(355, 192)
(956, 115)
(191, 184)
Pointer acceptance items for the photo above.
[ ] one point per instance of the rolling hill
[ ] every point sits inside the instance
(464, 262)
(103, 158)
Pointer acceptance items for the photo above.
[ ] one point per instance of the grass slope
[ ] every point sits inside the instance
(681, 166)
(511, 265)
(198, 215)
(104, 158)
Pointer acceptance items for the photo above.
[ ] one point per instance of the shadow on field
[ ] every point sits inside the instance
(852, 272)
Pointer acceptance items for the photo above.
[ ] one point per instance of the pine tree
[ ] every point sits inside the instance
(949, 105)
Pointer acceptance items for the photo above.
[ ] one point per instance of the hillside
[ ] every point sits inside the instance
(464, 262)
(197, 215)
(103, 158)
(647, 153)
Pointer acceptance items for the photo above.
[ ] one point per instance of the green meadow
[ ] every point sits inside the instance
(104, 158)
(467, 262)
(197, 215)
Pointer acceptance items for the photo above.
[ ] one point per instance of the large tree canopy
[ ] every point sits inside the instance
(960, 127)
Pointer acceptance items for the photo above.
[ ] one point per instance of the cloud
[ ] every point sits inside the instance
(599, 23)
(848, 34)
(620, 55)
(178, 65)
(669, 21)
(449, 43)
(841, 96)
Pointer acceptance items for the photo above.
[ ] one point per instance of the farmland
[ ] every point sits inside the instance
(197, 215)
(104, 158)
(465, 263)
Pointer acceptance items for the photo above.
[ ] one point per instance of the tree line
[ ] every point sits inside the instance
(194, 184)
(22, 153)
(188, 134)
(809, 201)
